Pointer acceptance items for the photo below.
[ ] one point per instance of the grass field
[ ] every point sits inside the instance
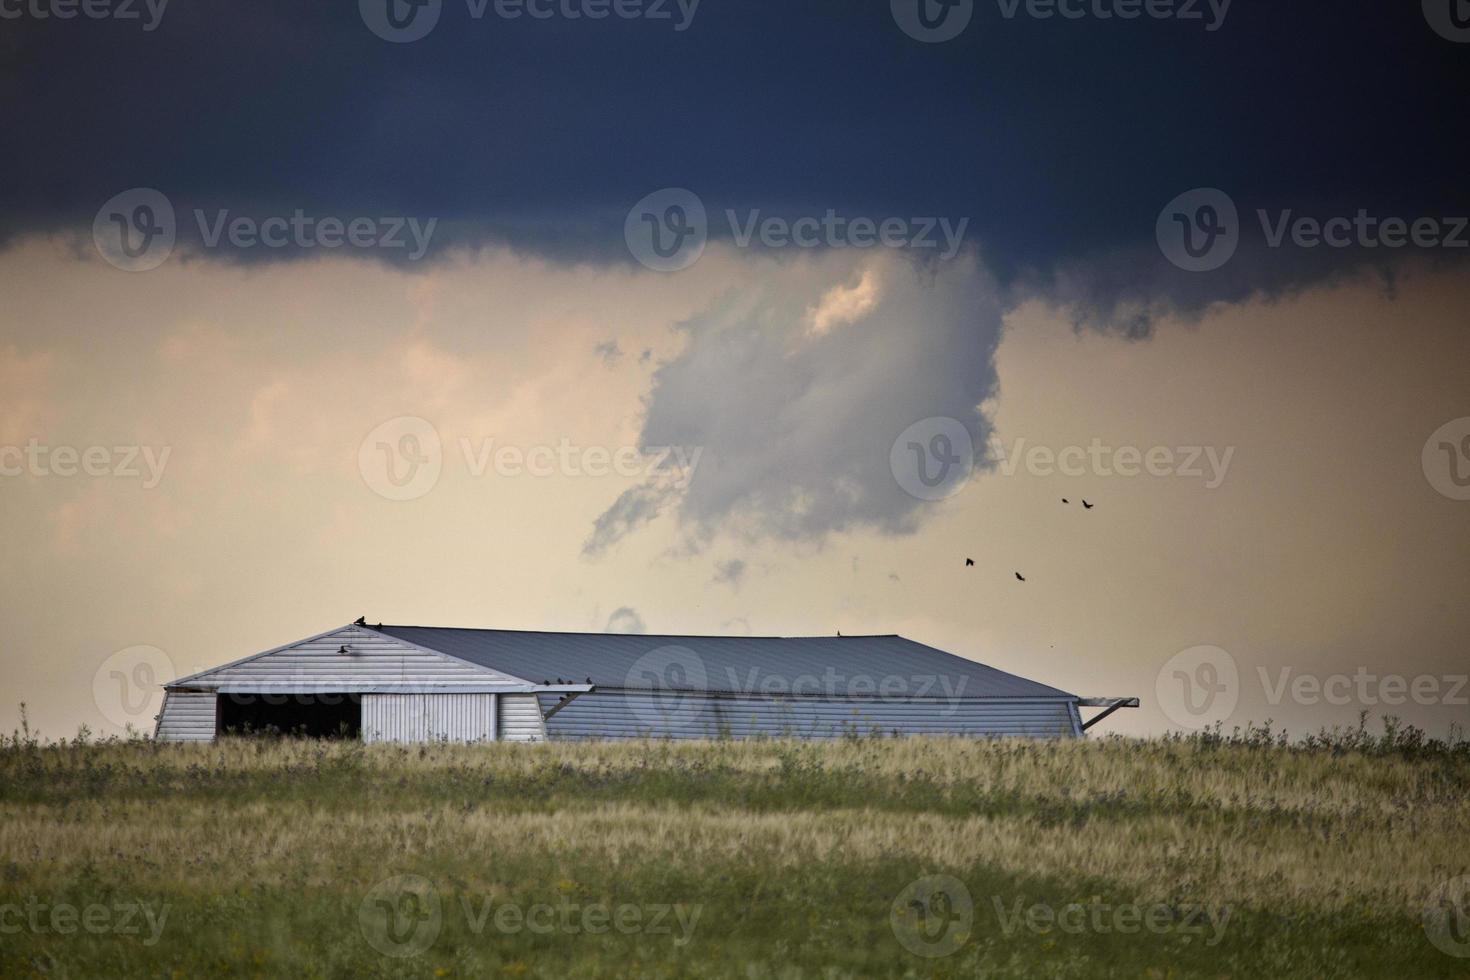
(1205, 857)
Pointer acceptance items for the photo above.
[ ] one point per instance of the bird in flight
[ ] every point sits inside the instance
(1087, 505)
(1066, 501)
(969, 562)
(1020, 577)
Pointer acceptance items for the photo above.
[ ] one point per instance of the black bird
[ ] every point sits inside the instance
(589, 680)
(1087, 505)
(360, 621)
(1020, 577)
(343, 650)
(1066, 501)
(969, 562)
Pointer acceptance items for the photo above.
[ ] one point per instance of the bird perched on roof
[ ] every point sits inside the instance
(589, 680)
(360, 621)
(343, 650)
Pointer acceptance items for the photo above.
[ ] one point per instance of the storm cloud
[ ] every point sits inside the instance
(796, 423)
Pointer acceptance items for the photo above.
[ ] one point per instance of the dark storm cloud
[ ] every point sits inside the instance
(1059, 139)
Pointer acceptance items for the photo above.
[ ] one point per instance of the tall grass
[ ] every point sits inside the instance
(1324, 851)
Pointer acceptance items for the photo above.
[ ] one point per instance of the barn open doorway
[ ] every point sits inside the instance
(298, 715)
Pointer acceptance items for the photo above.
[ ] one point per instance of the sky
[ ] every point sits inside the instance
(702, 318)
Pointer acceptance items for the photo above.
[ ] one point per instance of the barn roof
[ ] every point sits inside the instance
(748, 664)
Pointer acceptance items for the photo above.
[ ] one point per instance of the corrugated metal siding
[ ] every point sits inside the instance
(428, 717)
(376, 659)
(634, 714)
(520, 718)
(186, 717)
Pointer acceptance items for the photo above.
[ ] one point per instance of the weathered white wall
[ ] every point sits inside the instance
(186, 717)
(450, 718)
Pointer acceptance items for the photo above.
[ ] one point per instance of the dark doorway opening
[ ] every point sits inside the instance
(299, 715)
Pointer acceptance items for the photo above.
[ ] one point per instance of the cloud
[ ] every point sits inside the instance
(625, 619)
(609, 351)
(795, 427)
(730, 572)
(844, 304)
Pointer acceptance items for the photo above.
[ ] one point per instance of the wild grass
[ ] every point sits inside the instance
(1314, 858)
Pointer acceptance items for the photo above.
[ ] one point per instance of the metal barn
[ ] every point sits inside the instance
(421, 683)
